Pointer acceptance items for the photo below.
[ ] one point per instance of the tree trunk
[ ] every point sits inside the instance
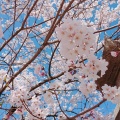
(118, 85)
(118, 116)
(112, 75)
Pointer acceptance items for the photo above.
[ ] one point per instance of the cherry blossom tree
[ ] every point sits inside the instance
(59, 59)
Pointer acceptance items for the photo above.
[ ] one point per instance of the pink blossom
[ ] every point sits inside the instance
(115, 53)
(37, 69)
(42, 73)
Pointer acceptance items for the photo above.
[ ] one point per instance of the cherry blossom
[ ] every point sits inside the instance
(51, 53)
(114, 53)
(1, 33)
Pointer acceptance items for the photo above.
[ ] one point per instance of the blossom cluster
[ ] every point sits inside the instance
(78, 43)
(76, 39)
(87, 88)
(111, 93)
(3, 77)
(27, 102)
